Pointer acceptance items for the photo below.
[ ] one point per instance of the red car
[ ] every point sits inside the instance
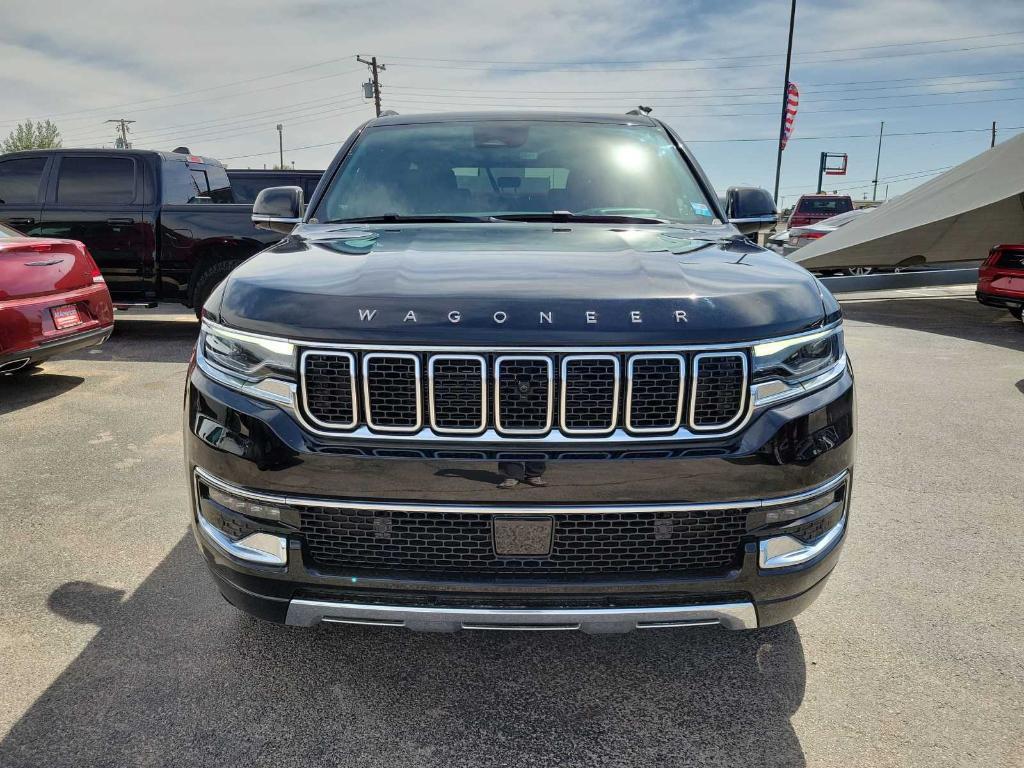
(1001, 279)
(810, 209)
(52, 300)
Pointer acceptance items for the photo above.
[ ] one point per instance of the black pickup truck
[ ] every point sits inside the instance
(514, 371)
(162, 226)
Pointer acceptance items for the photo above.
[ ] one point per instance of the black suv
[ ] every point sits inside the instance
(513, 371)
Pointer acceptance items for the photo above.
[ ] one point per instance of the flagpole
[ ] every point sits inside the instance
(785, 99)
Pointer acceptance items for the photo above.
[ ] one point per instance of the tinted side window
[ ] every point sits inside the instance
(96, 180)
(19, 179)
(220, 185)
(247, 187)
(178, 185)
(202, 183)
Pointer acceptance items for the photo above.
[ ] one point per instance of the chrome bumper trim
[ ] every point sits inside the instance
(532, 509)
(786, 551)
(276, 554)
(592, 620)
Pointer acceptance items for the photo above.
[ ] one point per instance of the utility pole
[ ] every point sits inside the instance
(280, 145)
(121, 142)
(878, 159)
(993, 134)
(785, 98)
(374, 67)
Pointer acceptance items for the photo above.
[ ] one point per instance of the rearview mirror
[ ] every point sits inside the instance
(278, 209)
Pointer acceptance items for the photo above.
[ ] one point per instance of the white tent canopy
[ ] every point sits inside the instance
(957, 216)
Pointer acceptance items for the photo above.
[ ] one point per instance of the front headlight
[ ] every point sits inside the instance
(787, 368)
(258, 365)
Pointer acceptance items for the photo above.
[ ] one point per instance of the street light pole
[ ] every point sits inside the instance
(785, 98)
(280, 145)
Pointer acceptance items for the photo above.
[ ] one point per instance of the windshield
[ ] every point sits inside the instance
(500, 168)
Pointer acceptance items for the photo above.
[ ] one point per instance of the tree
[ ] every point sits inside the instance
(29, 135)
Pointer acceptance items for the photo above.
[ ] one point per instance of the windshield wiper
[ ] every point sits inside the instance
(595, 218)
(412, 218)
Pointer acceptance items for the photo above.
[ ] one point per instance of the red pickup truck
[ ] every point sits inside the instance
(810, 209)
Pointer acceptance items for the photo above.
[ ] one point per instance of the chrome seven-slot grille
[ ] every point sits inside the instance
(524, 394)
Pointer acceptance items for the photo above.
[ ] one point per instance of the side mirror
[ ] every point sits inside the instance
(278, 209)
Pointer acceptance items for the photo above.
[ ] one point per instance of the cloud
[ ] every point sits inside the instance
(86, 62)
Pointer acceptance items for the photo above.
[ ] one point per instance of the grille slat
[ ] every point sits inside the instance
(656, 390)
(523, 395)
(590, 394)
(328, 388)
(391, 392)
(583, 543)
(458, 394)
(719, 389)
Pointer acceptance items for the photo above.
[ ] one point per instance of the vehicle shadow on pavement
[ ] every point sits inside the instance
(961, 318)
(22, 390)
(175, 676)
(147, 340)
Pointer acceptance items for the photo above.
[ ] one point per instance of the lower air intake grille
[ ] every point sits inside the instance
(328, 381)
(719, 389)
(655, 393)
(524, 394)
(583, 543)
(590, 387)
(457, 394)
(392, 383)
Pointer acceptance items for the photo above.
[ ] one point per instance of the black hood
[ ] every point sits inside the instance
(513, 284)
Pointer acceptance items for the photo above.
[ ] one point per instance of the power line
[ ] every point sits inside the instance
(231, 96)
(848, 136)
(634, 91)
(566, 62)
(576, 68)
(198, 90)
(243, 117)
(674, 101)
(744, 114)
(695, 93)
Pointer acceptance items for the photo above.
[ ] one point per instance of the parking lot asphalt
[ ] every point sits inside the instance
(115, 649)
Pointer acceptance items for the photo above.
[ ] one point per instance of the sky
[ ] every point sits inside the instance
(218, 77)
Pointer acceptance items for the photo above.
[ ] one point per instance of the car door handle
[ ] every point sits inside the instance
(21, 222)
(121, 221)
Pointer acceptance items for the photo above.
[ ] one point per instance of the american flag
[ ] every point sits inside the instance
(792, 101)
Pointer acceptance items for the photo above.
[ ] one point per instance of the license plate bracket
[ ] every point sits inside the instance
(519, 536)
(65, 316)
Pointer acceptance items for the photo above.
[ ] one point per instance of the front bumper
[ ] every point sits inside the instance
(253, 447)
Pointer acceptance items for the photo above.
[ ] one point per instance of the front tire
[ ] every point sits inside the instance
(211, 276)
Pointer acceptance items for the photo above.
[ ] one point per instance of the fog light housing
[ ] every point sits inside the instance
(786, 551)
(261, 548)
